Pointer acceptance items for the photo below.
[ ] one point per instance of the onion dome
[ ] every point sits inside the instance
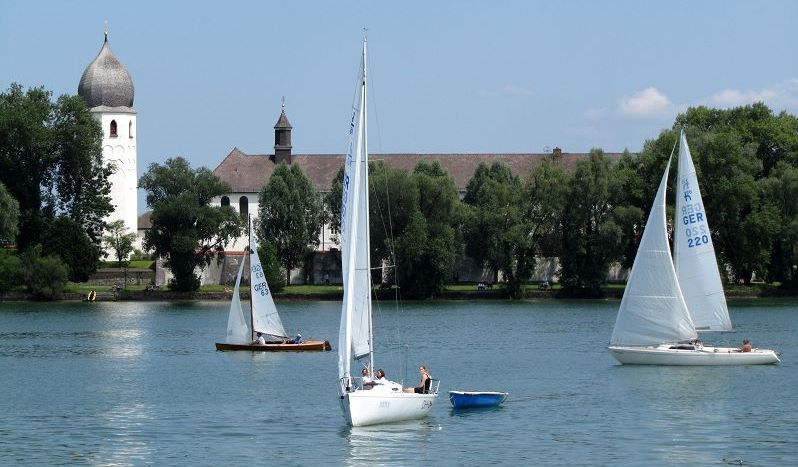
(106, 81)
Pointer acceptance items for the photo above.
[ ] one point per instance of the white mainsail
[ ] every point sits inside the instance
(355, 331)
(694, 254)
(265, 318)
(237, 329)
(653, 310)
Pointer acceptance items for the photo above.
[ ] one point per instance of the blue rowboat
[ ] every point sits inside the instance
(465, 399)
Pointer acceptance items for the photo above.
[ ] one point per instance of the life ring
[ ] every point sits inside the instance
(92, 295)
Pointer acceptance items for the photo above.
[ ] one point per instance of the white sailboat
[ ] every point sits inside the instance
(382, 403)
(665, 303)
(263, 316)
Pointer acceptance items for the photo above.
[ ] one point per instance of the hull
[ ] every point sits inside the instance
(373, 407)
(307, 346)
(699, 356)
(466, 399)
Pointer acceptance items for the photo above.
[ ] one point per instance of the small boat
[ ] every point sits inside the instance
(385, 403)
(263, 317)
(468, 399)
(667, 300)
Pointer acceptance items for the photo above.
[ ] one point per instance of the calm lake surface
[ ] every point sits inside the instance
(141, 384)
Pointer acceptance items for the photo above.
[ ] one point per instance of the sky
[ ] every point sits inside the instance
(446, 76)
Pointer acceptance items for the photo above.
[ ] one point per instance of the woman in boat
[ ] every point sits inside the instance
(746, 346)
(426, 380)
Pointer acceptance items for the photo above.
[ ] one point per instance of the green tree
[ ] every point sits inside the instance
(119, 240)
(10, 271)
(289, 216)
(51, 162)
(45, 276)
(496, 233)
(781, 189)
(590, 235)
(9, 216)
(426, 250)
(275, 276)
(66, 239)
(186, 231)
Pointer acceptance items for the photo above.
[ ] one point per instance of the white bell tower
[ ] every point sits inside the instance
(107, 89)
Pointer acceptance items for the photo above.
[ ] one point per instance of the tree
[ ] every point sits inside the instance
(289, 216)
(118, 240)
(496, 233)
(186, 231)
(66, 239)
(51, 162)
(781, 189)
(590, 235)
(9, 217)
(271, 267)
(10, 271)
(428, 246)
(45, 276)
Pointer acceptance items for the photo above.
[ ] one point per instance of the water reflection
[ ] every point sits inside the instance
(398, 443)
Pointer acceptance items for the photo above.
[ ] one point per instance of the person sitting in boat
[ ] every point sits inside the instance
(746, 346)
(368, 381)
(260, 340)
(297, 339)
(426, 380)
(384, 383)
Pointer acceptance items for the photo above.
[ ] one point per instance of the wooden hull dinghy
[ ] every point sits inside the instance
(306, 346)
(469, 399)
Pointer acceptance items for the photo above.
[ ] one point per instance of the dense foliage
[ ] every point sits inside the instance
(67, 240)
(44, 276)
(289, 216)
(187, 232)
(51, 162)
(9, 217)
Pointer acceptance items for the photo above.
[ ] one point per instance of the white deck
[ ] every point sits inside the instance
(701, 355)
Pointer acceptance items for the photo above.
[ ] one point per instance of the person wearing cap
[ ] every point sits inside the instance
(297, 339)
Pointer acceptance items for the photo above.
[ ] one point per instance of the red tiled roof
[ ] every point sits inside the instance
(248, 173)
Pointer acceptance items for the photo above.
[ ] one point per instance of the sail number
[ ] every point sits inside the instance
(698, 235)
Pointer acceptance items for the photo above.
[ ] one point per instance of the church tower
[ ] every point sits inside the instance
(107, 88)
(282, 138)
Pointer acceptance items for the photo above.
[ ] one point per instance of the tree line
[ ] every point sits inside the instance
(54, 197)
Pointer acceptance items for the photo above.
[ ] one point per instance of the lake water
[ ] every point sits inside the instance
(141, 384)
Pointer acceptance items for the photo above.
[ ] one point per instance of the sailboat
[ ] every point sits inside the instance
(263, 317)
(363, 404)
(667, 300)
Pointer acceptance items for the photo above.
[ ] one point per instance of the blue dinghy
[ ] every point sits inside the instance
(465, 399)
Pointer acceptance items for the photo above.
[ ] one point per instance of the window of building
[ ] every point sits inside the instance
(113, 129)
(225, 201)
(243, 205)
(130, 129)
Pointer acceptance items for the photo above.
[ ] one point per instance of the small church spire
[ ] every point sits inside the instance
(282, 137)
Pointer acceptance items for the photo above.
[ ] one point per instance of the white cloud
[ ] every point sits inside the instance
(508, 90)
(648, 103)
(594, 113)
(781, 96)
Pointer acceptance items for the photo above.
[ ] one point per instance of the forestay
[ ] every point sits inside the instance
(694, 253)
(653, 310)
(237, 329)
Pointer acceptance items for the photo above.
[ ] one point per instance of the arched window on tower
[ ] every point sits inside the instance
(113, 129)
(130, 129)
(243, 205)
(225, 201)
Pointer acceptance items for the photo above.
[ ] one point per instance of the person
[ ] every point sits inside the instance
(260, 340)
(384, 383)
(297, 339)
(368, 381)
(426, 381)
(746, 346)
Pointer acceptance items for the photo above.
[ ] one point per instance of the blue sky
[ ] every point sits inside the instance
(446, 76)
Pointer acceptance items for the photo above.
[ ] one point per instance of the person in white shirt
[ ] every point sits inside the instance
(385, 383)
(260, 340)
(368, 381)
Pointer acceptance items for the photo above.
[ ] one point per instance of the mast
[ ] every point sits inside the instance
(249, 253)
(366, 194)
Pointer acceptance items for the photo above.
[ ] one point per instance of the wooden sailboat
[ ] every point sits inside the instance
(664, 305)
(383, 403)
(263, 317)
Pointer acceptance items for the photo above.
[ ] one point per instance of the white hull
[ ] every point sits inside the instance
(375, 406)
(699, 356)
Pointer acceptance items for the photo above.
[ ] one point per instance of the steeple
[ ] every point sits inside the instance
(282, 137)
(106, 82)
